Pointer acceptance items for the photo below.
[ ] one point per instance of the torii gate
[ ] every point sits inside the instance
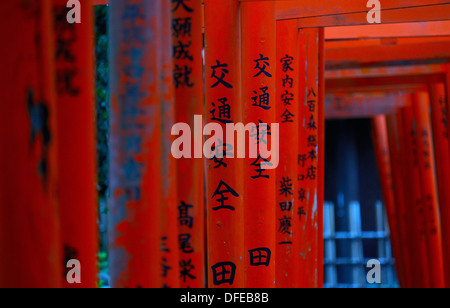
(240, 258)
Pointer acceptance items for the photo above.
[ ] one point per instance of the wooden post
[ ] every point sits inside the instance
(187, 35)
(76, 139)
(31, 254)
(321, 156)
(170, 273)
(429, 199)
(225, 190)
(135, 166)
(288, 239)
(386, 153)
(442, 154)
(258, 94)
(413, 196)
(310, 114)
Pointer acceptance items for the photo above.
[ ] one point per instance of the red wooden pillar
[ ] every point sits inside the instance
(429, 194)
(310, 117)
(404, 168)
(321, 156)
(135, 166)
(406, 226)
(76, 139)
(413, 196)
(31, 254)
(187, 35)
(258, 94)
(387, 154)
(225, 190)
(169, 212)
(288, 240)
(442, 153)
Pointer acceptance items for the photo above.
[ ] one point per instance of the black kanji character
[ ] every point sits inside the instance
(224, 112)
(286, 186)
(286, 63)
(286, 206)
(223, 272)
(182, 3)
(183, 215)
(181, 51)
(220, 80)
(260, 170)
(184, 243)
(287, 117)
(285, 225)
(262, 67)
(222, 191)
(260, 257)
(186, 268)
(262, 100)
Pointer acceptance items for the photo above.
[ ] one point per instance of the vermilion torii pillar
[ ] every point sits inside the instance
(135, 166)
(225, 190)
(170, 273)
(288, 269)
(259, 107)
(321, 157)
(76, 139)
(439, 122)
(31, 254)
(416, 218)
(309, 176)
(404, 240)
(187, 36)
(429, 192)
(385, 154)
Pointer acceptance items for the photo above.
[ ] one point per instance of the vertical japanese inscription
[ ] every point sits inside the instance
(187, 46)
(223, 107)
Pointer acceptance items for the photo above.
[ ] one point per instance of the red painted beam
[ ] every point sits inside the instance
(301, 9)
(416, 29)
(387, 71)
(362, 106)
(356, 84)
(372, 55)
(437, 12)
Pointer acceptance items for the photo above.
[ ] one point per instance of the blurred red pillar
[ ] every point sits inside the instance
(187, 35)
(224, 175)
(258, 94)
(413, 195)
(76, 139)
(31, 254)
(310, 176)
(135, 165)
(321, 157)
(170, 273)
(429, 199)
(386, 151)
(288, 240)
(439, 115)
